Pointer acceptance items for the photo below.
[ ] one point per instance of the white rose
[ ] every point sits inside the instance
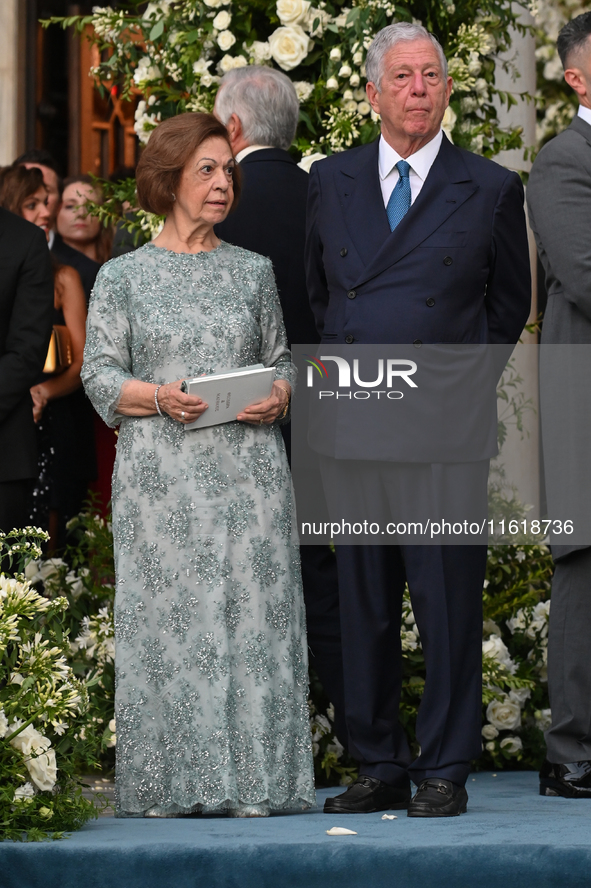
(345, 71)
(32, 570)
(39, 756)
(489, 732)
(354, 80)
(225, 40)
(292, 12)
(448, 122)
(307, 161)
(50, 568)
(358, 57)
(520, 695)
(289, 46)
(317, 17)
(260, 51)
(228, 63)
(513, 745)
(491, 746)
(364, 108)
(213, 4)
(304, 90)
(504, 714)
(543, 718)
(332, 83)
(495, 647)
(222, 20)
(347, 95)
(335, 54)
(350, 106)
(112, 726)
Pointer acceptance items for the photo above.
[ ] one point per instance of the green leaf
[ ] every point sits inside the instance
(157, 30)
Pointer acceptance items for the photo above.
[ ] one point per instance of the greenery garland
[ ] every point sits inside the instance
(171, 55)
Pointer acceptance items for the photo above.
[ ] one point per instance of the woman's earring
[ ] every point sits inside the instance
(173, 196)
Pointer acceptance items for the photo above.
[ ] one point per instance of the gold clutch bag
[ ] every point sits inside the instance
(59, 354)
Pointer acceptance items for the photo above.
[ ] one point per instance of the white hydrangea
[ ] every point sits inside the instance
(260, 51)
(24, 792)
(145, 122)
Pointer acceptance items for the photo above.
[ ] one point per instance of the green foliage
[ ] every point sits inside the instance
(42, 706)
(172, 54)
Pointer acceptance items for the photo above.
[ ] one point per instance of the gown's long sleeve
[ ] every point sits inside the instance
(107, 353)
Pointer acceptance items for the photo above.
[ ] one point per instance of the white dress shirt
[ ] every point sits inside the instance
(420, 164)
(585, 113)
(245, 151)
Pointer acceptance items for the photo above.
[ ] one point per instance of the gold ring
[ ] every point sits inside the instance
(261, 421)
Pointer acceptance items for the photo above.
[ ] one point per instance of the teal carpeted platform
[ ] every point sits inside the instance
(510, 838)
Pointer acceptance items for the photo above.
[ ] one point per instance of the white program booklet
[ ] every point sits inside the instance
(227, 394)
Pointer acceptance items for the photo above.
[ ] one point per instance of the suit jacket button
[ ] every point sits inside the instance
(349, 339)
(448, 260)
(417, 343)
(430, 303)
(344, 252)
(351, 294)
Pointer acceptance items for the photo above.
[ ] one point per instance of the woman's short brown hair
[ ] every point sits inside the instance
(171, 146)
(17, 183)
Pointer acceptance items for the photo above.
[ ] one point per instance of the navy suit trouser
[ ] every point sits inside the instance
(445, 584)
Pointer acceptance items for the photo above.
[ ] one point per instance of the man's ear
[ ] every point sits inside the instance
(576, 79)
(234, 127)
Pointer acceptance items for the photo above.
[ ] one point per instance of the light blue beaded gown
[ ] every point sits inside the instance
(211, 663)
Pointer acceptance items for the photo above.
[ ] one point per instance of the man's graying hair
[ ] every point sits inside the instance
(573, 37)
(387, 38)
(266, 102)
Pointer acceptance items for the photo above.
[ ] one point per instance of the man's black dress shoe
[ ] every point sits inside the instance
(571, 781)
(368, 794)
(436, 797)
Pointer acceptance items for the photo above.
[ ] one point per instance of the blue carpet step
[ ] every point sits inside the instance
(510, 838)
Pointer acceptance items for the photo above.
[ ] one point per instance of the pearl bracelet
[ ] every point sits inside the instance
(159, 411)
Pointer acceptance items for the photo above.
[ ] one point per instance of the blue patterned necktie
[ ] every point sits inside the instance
(399, 203)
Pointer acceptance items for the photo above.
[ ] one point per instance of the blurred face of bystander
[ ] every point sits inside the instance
(35, 209)
(206, 189)
(74, 223)
(413, 95)
(50, 181)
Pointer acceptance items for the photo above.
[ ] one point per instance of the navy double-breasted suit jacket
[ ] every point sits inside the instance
(456, 269)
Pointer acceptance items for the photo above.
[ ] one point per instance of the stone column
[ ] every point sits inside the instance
(520, 454)
(12, 79)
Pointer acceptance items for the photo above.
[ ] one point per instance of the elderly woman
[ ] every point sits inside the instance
(211, 652)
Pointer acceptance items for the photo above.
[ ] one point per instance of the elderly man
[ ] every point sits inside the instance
(412, 240)
(260, 108)
(559, 201)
